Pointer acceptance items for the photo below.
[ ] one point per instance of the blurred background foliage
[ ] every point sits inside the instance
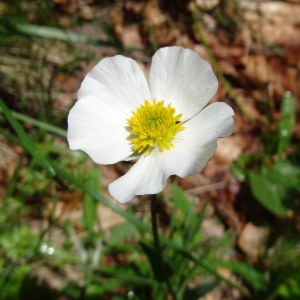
(231, 232)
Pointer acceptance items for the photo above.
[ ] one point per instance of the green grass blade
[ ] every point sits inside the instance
(199, 291)
(287, 121)
(108, 32)
(196, 225)
(27, 142)
(56, 33)
(251, 275)
(201, 263)
(125, 275)
(90, 205)
(63, 35)
(10, 137)
(266, 193)
(98, 197)
(13, 180)
(39, 124)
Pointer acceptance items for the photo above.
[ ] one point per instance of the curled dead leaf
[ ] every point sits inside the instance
(251, 239)
(256, 69)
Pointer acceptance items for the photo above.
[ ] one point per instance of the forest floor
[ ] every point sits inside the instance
(252, 181)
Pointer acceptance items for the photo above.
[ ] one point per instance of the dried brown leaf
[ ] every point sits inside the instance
(251, 239)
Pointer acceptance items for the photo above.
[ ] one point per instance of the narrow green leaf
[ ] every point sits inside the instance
(287, 121)
(28, 143)
(48, 147)
(39, 124)
(13, 181)
(266, 193)
(254, 277)
(125, 274)
(180, 199)
(56, 33)
(159, 271)
(284, 177)
(98, 197)
(11, 138)
(201, 263)
(224, 241)
(90, 205)
(199, 291)
(121, 232)
(238, 172)
(287, 173)
(193, 229)
(17, 28)
(107, 30)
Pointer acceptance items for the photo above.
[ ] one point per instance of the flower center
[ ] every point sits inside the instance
(152, 125)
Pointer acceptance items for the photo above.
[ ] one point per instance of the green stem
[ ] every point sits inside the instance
(40, 124)
(157, 245)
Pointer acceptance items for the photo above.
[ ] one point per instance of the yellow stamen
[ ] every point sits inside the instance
(153, 125)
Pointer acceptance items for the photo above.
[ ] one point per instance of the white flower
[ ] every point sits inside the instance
(118, 117)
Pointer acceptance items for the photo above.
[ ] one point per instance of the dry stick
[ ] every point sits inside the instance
(215, 65)
(157, 245)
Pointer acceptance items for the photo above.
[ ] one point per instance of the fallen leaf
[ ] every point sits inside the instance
(207, 4)
(200, 50)
(165, 36)
(228, 52)
(192, 181)
(280, 12)
(71, 84)
(153, 14)
(107, 218)
(256, 69)
(212, 229)
(86, 12)
(129, 35)
(136, 7)
(251, 239)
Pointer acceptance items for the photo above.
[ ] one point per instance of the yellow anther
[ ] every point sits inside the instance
(153, 125)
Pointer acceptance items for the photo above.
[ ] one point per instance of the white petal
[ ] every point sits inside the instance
(180, 77)
(98, 129)
(118, 81)
(193, 147)
(196, 144)
(147, 176)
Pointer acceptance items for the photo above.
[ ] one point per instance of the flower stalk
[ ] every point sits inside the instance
(157, 245)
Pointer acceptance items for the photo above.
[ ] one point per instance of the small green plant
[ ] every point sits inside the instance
(274, 176)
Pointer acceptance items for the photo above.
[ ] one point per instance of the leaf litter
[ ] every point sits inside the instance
(256, 47)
